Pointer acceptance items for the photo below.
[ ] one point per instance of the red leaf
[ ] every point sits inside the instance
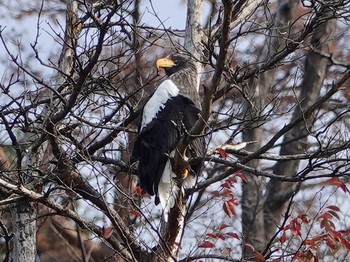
(343, 241)
(334, 208)
(259, 256)
(337, 182)
(230, 207)
(234, 201)
(223, 226)
(222, 153)
(135, 213)
(309, 242)
(221, 236)
(138, 191)
(345, 231)
(107, 232)
(227, 192)
(334, 214)
(225, 185)
(283, 237)
(241, 176)
(295, 227)
(206, 244)
(343, 187)
(325, 215)
(231, 180)
(335, 235)
(233, 235)
(250, 248)
(215, 193)
(329, 226)
(331, 244)
(298, 255)
(305, 218)
(212, 235)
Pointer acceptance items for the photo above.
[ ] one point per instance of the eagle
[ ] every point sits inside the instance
(168, 115)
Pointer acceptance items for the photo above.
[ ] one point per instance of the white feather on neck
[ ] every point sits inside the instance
(167, 89)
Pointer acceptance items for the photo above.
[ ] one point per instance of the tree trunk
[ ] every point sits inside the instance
(193, 33)
(24, 215)
(254, 230)
(295, 141)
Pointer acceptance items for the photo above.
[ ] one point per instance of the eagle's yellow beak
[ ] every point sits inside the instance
(165, 63)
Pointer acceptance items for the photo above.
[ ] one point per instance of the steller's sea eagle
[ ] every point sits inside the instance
(168, 115)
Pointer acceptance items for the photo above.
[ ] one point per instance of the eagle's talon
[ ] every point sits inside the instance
(185, 173)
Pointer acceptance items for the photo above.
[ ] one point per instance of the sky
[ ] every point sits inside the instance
(20, 35)
(170, 14)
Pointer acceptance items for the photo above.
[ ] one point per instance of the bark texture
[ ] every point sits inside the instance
(24, 215)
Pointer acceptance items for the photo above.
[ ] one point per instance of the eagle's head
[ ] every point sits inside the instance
(175, 63)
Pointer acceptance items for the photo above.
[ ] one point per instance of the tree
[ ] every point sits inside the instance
(274, 85)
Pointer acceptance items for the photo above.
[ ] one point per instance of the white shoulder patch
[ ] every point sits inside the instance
(164, 91)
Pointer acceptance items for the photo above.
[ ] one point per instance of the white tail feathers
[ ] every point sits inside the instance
(168, 189)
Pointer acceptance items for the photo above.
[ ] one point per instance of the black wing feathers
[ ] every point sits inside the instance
(160, 137)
